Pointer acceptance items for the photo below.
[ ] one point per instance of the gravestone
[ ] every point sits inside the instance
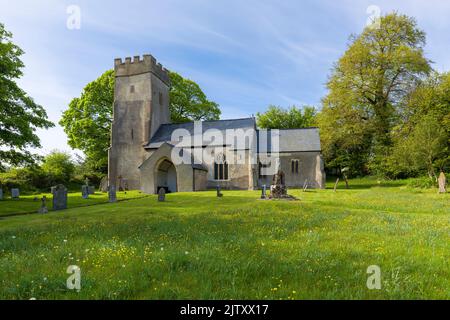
(1, 194)
(43, 208)
(112, 194)
(59, 197)
(161, 194)
(52, 189)
(263, 192)
(219, 194)
(15, 193)
(91, 189)
(442, 182)
(84, 192)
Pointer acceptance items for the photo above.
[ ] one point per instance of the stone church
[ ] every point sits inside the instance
(145, 147)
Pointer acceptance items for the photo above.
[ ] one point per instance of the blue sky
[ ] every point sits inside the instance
(245, 54)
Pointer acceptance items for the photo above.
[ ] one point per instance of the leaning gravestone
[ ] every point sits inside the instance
(161, 194)
(43, 208)
(442, 182)
(112, 194)
(15, 193)
(1, 194)
(60, 197)
(84, 192)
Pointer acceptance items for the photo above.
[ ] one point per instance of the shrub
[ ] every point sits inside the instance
(422, 183)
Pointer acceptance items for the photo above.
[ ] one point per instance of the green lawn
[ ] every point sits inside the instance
(198, 246)
(32, 203)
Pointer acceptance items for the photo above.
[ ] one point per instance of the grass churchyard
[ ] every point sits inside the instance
(200, 246)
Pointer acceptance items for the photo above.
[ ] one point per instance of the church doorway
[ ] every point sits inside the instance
(166, 176)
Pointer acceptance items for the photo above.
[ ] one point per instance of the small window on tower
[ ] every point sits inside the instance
(160, 99)
(132, 89)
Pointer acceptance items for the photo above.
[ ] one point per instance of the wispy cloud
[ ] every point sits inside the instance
(244, 54)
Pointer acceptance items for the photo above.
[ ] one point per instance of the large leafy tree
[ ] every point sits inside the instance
(87, 121)
(188, 102)
(20, 116)
(422, 136)
(380, 67)
(280, 118)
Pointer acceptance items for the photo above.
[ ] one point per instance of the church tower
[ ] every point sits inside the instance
(141, 105)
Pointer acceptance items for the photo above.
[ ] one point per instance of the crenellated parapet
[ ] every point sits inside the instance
(136, 66)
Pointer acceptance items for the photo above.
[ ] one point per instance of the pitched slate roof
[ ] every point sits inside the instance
(164, 132)
(290, 140)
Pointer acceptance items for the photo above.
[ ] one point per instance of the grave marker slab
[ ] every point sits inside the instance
(1, 194)
(60, 197)
(84, 192)
(161, 194)
(15, 193)
(263, 191)
(442, 182)
(112, 194)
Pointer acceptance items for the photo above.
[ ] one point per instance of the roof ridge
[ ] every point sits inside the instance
(289, 128)
(178, 123)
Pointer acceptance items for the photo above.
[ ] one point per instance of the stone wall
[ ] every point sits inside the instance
(310, 168)
(141, 105)
(200, 180)
(239, 171)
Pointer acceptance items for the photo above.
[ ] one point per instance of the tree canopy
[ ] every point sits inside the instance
(59, 166)
(188, 102)
(20, 116)
(87, 121)
(367, 86)
(291, 118)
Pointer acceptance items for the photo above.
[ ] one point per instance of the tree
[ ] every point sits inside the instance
(20, 116)
(279, 118)
(87, 121)
(188, 102)
(423, 150)
(345, 138)
(422, 137)
(59, 166)
(380, 67)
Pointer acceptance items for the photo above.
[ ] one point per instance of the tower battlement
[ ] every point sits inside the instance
(136, 66)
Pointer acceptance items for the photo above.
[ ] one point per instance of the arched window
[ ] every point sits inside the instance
(220, 168)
